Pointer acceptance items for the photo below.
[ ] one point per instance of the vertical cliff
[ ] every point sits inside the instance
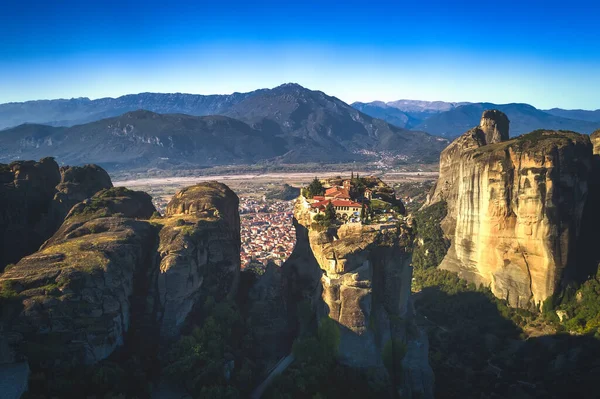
(514, 207)
(35, 197)
(199, 251)
(115, 275)
(364, 286)
(71, 301)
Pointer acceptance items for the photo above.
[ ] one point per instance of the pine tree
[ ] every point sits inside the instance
(330, 211)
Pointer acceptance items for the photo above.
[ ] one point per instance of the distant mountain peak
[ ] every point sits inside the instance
(291, 85)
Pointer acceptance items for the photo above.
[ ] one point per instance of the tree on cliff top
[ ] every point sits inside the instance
(330, 212)
(315, 188)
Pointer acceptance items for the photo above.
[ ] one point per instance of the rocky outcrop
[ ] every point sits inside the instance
(35, 197)
(595, 137)
(77, 183)
(70, 302)
(199, 247)
(26, 192)
(514, 207)
(115, 272)
(364, 286)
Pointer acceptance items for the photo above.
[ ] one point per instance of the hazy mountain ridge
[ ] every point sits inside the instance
(524, 118)
(451, 119)
(63, 112)
(580, 114)
(288, 124)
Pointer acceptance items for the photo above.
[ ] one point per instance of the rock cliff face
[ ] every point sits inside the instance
(514, 207)
(595, 137)
(35, 197)
(76, 184)
(116, 275)
(71, 300)
(199, 247)
(364, 286)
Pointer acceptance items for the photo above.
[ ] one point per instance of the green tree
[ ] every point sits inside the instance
(431, 244)
(330, 212)
(315, 188)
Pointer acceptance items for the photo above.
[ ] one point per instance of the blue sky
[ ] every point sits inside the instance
(540, 52)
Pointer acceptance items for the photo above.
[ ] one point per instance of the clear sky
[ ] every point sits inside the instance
(544, 53)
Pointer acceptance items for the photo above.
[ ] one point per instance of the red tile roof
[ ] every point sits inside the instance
(336, 203)
(350, 204)
(337, 192)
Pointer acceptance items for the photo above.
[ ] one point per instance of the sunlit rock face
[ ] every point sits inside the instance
(364, 286)
(514, 207)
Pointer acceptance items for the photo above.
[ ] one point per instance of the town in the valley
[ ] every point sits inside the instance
(267, 230)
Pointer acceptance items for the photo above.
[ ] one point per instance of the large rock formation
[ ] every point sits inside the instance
(115, 274)
(514, 207)
(364, 286)
(26, 192)
(35, 197)
(199, 246)
(77, 183)
(70, 302)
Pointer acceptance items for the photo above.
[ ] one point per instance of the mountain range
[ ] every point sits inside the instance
(452, 119)
(288, 124)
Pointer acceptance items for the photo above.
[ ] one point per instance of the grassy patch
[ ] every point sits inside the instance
(83, 253)
(7, 291)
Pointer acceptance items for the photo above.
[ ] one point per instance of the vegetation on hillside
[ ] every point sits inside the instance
(212, 361)
(431, 245)
(579, 308)
(316, 374)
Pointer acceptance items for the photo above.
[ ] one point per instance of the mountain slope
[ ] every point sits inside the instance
(524, 118)
(381, 110)
(580, 114)
(322, 128)
(288, 124)
(143, 139)
(405, 113)
(82, 110)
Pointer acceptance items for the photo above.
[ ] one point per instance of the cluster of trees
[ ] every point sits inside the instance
(212, 361)
(431, 246)
(580, 307)
(314, 188)
(327, 217)
(316, 374)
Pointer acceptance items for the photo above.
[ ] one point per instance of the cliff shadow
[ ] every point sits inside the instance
(478, 349)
